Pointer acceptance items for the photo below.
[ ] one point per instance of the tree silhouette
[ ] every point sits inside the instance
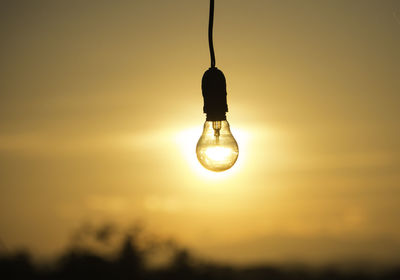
(130, 260)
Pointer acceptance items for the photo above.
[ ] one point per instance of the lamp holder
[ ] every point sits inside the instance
(213, 86)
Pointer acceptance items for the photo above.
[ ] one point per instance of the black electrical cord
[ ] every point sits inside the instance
(210, 33)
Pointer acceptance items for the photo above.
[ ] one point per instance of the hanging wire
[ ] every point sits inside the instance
(210, 33)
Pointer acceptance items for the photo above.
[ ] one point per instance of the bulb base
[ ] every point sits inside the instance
(213, 86)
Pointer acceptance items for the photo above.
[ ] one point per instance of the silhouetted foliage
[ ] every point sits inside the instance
(128, 255)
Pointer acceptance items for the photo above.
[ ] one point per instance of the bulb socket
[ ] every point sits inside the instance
(213, 86)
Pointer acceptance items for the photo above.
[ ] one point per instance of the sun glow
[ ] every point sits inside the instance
(218, 154)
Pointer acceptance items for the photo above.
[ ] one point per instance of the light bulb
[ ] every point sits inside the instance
(217, 149)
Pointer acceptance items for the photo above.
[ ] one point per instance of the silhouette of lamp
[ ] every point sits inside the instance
(216, 149)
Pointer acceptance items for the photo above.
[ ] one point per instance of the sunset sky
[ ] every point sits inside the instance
(101, 109)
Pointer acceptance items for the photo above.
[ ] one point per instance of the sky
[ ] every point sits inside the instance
(101, 109)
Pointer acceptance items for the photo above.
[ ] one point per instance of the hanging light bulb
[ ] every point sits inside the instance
(216, 149)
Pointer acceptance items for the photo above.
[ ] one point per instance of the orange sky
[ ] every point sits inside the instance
(101, 109)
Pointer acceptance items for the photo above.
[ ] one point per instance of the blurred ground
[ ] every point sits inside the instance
(107, 253)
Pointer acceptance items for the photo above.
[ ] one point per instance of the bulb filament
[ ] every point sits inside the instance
(217, 127)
